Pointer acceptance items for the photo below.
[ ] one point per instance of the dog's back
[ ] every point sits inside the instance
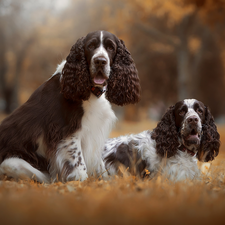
(126, 151)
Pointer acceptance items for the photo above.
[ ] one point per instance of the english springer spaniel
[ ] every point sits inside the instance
(60, 132)
(186, 132)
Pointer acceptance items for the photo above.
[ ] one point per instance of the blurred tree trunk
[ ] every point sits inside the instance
(12, 38)
(10, 90)
(20, 56)
(186, 72)
(183, 71)
(3, 70)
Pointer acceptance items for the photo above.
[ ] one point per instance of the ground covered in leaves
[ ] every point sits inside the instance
(120, 200)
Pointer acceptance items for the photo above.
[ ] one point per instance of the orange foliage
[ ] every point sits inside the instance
(120, 200)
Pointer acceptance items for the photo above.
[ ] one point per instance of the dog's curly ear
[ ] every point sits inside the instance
(210, 142)
(166, 135)
(123, 83)
(75, 81)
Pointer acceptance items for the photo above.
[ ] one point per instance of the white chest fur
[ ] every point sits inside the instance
(182, 166)
(96, 125)
(179, 167)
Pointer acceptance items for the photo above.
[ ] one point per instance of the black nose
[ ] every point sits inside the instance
(192, 120)
(100, 61)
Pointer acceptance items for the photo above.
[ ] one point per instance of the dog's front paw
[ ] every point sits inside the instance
(78, 174)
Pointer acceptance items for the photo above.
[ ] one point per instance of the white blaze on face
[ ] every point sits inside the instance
(100, 52)
(191, 112)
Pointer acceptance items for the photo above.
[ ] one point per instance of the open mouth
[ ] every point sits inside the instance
(99, 78)
(194, 132)
(193, 137)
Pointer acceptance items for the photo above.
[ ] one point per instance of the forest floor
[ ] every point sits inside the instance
(127, 200)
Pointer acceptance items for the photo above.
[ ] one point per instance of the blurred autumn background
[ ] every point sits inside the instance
(178, 47)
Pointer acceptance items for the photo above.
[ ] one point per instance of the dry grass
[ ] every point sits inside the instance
(126, 200)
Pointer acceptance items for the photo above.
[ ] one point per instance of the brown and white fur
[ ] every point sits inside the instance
(185, 134)
(59, 133)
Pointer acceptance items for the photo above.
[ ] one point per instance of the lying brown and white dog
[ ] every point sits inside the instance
(59, 133)
(185, 134)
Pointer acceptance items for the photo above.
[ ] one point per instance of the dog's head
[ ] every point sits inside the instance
(97, 60)
(188, 123)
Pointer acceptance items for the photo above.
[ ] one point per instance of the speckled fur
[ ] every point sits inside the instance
(159, 149)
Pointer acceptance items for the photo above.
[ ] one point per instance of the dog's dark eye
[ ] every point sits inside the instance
(91, 46)
(182, 113)
(110, 48)
(199, 111)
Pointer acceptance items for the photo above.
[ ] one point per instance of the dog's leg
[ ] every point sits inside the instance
(101, 171)
(69, 163)
(20, 169)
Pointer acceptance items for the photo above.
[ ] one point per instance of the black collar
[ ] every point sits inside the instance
(97, 91)
(183, 149)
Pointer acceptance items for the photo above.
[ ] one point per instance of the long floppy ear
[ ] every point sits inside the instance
(123, 83)
(210, 142)
(166, 135)
(75, 82)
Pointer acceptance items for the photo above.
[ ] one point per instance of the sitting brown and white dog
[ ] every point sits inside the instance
(60, 132)
(185, 134)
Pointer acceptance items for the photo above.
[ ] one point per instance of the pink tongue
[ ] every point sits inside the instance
(193, 136)
(99, 80)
